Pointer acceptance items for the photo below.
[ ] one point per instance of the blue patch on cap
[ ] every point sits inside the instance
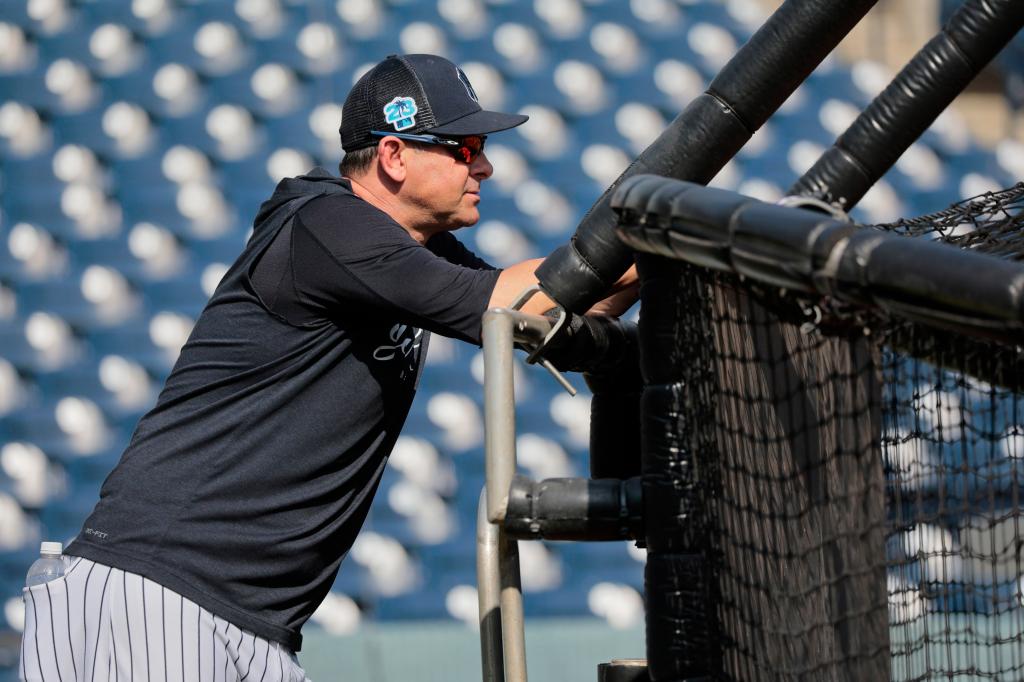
(401, 112)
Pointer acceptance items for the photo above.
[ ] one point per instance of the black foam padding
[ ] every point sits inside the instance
(614, 427)
(566, 270)
(694, 146)
(915, 98)
(615, 414)
(661, 356)
(709, 132)
(783, 246)
(671, 493)
(575, 509)
(935, 283)
(681, 625)
(680, 635)
(980, 28)
(674, 217)
(782, 53)
(802, 250)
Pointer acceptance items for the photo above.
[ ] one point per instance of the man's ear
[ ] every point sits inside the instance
(390, 159)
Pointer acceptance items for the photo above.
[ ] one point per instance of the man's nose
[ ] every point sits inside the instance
(482, 168)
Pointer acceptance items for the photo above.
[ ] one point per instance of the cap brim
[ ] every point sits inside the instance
(480, 123)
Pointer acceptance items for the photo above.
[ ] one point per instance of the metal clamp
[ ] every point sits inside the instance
(535, 356)
(814, 203)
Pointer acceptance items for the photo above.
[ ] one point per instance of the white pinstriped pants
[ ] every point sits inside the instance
(101, 623)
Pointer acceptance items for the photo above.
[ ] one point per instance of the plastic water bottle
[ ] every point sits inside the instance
(49, 565)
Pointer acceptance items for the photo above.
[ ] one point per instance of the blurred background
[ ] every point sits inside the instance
(138, 138)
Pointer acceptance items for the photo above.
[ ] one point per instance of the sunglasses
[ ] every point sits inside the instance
(464, 149)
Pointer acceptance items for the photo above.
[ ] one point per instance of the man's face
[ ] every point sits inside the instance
(445, 189)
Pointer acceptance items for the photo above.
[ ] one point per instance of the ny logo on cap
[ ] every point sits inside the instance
(465, 81)
(401, 112)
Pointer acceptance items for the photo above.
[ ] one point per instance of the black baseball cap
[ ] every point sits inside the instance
(416, 93)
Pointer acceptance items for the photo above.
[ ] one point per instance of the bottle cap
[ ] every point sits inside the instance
(51, 548)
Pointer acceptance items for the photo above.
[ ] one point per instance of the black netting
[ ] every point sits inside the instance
(863, 479)
(990, 223)
(791, 420)
(953, 445)
(953, 448)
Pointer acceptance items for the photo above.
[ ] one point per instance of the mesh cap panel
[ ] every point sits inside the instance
(364, 108)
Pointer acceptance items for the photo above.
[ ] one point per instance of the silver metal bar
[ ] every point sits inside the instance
(501, 327)
(558, 376)
(488, 578)
(499, 410)
(513, 627)
(526, 294)
(500, 594)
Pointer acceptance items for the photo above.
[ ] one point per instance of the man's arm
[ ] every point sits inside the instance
(514, 279)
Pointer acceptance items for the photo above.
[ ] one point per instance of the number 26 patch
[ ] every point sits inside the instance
(401, 112)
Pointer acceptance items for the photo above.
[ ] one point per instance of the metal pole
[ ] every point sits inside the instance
(499, 411)
(488, 578)
(513, 632)
(502, 637)
(500, 328)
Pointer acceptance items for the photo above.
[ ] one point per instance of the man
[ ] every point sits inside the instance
(224, 524)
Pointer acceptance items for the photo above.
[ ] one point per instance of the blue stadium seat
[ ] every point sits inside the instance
(191, 129)
(31, 88)
(835, 82)
(152, 202)
(223, 249)
(602, 561)
(470, 467)
(86, 128)
(292, 130)
(715, 13)
(90, 472)
(113, 252)
(140, 175)
(181, 293)
(135, 86)
(132, 340)
(427, 602)
(177, 44)
(566, 601)
(15, 348)
(37, 425)
(28, 174)
(455, 377)
(13, 566)
(63, 519)
(69, 44)
(351, 580)
(62, 297)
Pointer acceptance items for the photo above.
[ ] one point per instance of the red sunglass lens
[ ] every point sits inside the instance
(471, 148)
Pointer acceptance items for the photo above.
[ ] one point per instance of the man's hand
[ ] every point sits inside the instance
(513, 281)
(621, 298)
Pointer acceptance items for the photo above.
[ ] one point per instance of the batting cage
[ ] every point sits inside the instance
(830, 432)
